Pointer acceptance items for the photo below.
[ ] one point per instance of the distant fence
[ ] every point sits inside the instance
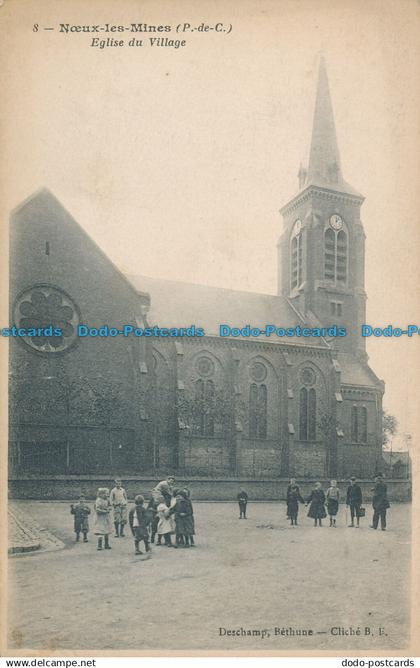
(202, 489)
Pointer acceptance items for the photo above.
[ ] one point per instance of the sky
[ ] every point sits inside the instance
(177, 161)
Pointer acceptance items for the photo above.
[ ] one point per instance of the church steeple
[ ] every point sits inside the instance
(324, 169)
(321, 248)
(324, 158)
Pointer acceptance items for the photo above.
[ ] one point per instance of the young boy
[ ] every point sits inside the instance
(333, 499)
(153, 519)
(138, 518)
(119, 504)
(243, 501)
(81, 514)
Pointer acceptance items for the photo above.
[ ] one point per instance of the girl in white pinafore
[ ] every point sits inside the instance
(103, 517)
(165, 525)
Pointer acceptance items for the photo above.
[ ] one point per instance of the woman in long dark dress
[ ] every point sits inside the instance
(317, 507)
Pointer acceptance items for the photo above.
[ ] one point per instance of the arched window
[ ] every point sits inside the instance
(296, 256)
(204, 407)
(209, 413)
(335, 255)
(359, 424)
(307, 414)
(257, 411)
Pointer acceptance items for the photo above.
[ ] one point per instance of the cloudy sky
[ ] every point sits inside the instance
(176, 161)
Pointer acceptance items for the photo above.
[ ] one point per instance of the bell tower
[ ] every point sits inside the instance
(321, 248)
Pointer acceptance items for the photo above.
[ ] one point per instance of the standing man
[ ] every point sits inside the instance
(242, 500)
(118, 500)
(380, 502)
(354, 501)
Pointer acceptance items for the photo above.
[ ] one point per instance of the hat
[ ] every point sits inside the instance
(139, 499)
(353, 477)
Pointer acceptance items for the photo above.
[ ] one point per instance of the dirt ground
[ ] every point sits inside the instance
(244, 575)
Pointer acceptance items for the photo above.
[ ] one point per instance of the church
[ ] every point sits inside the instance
(208, 407)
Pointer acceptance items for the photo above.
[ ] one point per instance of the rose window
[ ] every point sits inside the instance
(307, 377)
(43, 307)
(258, 372)
(205, 366)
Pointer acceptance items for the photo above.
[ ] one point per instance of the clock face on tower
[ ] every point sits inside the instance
(336, 222)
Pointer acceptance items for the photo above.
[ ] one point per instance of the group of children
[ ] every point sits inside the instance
(169, 512)
(318, 499)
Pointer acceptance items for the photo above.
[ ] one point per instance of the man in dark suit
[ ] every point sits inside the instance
(354, 501)
(380, 502)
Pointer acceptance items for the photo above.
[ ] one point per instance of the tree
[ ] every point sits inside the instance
(327, 425)
(389, 429)
(210, 414)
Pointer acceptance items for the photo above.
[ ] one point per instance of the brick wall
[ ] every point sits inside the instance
(202, 489)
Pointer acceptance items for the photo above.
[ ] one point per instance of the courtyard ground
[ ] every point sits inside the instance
(254, 574)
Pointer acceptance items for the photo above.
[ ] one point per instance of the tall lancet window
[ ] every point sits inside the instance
(335, 251)
(296, 255)
(258, 411)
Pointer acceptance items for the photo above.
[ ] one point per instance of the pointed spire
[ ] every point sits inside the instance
(324, 159)
(324, 167)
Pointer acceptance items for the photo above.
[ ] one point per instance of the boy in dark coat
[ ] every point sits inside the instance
(380, 503)
(153, 519)
(354, 501)
(292, 500)
(139, 524)
(243, 501)
(317, 507)
(81, 514)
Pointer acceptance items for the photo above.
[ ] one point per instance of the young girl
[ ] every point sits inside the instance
(103, 520)
(333, 498)
(165, 527)
(190, 516)
(81, 514)
(317, 501)
(292, 500)
(183, 519)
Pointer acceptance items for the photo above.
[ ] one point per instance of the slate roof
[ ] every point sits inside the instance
(177, 304)
(354, 372)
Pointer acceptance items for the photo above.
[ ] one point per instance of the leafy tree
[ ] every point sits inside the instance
(217, 414)
(389, 429)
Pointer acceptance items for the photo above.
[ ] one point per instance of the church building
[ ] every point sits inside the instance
(211, 406)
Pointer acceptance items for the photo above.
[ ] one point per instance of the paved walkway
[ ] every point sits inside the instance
(26, 535)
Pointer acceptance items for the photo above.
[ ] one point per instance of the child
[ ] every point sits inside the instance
(81, 522)
(153, 519)
(164, 528)
(190, 521)
(103, 520)
(119, 504)
(333, 498)
(138, 518)
(292, 500)
(183, 519)
(317, 500)
(243, 501)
